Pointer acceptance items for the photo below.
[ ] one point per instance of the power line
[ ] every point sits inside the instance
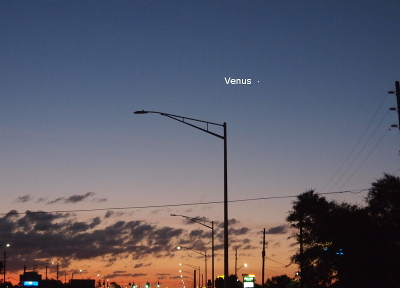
(358, 141)
(365, 159)
(362, 149)
(176, 205)
(283, 265)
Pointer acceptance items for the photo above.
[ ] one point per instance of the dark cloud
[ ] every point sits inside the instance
(240, 231)
(248, 247)
(56, 200)
(113, 214)
(140, 265)
(40, 200)
(196, 233)
(75, 198)
(231, 222)
(138, 274)
(163, 275)
(23, 199)
(282, 229)
(36, 237)
(176, 277)
(116, 274)
(157, 211)
(78, 198)
(246, 241)
(219, 247)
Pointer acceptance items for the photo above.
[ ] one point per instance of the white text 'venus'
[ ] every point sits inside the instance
(237, 81)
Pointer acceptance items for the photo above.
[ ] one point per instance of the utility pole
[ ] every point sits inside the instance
(194, 278)
(302, 274)
(57, 267)
(398, 99)
(4, 266)
(397, 92)
(236, 262)
(263, 261)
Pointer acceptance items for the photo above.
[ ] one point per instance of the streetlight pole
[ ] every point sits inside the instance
(4, 266)
(194, 277)
(224, 137)
(212, 241)
(198, 252)
(195, 268)
(4, 262)
(263, 260)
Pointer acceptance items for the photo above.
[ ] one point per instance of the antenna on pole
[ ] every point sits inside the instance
(397, 92)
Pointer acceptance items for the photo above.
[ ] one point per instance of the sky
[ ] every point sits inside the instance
(314, 114)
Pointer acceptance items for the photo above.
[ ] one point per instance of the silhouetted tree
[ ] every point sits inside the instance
(384, 207)
(6, 284)
(344, 245)
(282, 281)
(310, 216)
(232, 282)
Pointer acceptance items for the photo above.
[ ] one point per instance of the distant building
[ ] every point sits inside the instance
(82, 283)
(30, 279)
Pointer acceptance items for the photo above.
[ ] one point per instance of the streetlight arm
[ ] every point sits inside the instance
(194, 250)
(195, 220)
(182, 120)
(192, 266)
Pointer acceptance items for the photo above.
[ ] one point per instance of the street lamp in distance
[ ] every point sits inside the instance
(4, 262)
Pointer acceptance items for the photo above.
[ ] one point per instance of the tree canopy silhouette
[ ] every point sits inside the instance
(282, 281)
(346, 245)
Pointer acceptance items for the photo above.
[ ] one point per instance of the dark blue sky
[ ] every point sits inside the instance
(74, 71)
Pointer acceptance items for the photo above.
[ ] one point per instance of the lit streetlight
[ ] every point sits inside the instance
(4, 262)
(198, 252)
(244, 265)
(57, 268)
(202, 222)
(79, 271)
(224, 137)
(194, 272)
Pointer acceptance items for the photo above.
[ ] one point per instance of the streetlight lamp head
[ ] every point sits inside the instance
(140, 112)
(179, 247)
(172, 214)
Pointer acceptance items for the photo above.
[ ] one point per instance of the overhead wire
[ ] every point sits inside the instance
(362, 149)
(380, 140)
(174, 205)
(283, 265)
(354, 147)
